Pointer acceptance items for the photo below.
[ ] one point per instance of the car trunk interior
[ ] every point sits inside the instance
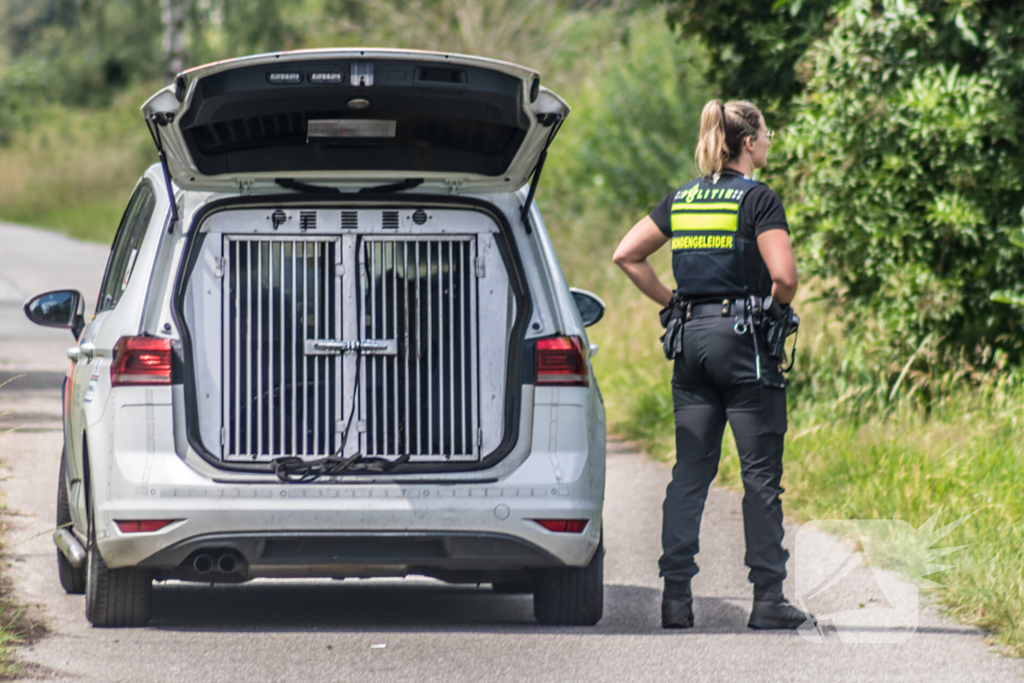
(384, 332)
(355, 114)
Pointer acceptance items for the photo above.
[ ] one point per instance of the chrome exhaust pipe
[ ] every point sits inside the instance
(203, 563)
(69, 547)
(227, 563)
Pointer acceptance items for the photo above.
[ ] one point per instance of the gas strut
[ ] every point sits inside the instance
(546, 119)
(162, 119)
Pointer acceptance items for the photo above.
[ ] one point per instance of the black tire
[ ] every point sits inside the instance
(115, 597)
(571, 596)
(71, 579)
(513, 587)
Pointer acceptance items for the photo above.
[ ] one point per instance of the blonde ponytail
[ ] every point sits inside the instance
(723, 128)
(711, 152)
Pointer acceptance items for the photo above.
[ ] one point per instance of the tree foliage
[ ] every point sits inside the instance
(82, 53)
(901, 168)
(755, 46)
(77, 53)
(634, 141)
(902, 171)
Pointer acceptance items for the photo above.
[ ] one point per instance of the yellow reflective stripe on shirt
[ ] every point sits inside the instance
(711, 206)
(705, 222)
(702, 242)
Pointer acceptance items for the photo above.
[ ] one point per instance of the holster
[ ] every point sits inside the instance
(672, 320)
(778, 322)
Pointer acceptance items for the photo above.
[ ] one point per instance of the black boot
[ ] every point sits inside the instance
(772, 610)
(677, 605)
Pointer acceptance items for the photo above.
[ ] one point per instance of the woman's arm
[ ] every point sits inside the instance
(777, 253)
(641, 241)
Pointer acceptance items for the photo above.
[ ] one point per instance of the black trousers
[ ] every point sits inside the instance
(714, 381)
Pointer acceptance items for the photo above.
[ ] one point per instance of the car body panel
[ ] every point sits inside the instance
(139, 475)
(90, 382)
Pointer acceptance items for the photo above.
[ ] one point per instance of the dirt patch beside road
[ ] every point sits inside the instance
(20, 624)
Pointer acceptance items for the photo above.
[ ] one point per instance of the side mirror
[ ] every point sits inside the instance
(64, 308)
(589, 305)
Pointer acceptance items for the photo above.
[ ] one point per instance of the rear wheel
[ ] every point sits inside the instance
(571, 596)
(71, 579)
(115, 597)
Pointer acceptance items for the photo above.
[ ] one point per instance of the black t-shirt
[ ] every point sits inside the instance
(761, 210)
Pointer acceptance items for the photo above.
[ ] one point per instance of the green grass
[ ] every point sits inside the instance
(13, 632)
(75, 169)
(968, 458)
(93, 221)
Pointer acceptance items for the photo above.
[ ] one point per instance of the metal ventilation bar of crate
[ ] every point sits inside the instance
(424, 401)
(278, 400)
(285, 355)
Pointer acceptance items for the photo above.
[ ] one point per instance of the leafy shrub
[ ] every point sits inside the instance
(755, 46)
(902, 178)
(632, 140)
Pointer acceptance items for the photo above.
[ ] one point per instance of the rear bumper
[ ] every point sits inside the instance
(341, 528)
(297, 554)
(415, 524)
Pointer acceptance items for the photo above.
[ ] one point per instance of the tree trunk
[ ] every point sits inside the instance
(172, 16)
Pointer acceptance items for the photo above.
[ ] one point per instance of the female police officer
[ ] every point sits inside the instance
(730, 249)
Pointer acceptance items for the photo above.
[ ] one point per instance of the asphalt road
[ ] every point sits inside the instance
(413, 629)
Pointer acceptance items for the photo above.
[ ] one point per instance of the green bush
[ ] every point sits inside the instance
(632, 140)
(902, 175)
(755, 46)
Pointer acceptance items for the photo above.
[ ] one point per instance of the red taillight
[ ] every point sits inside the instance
(560, 361)
(134, 526)
(572, 526)
(141, 360)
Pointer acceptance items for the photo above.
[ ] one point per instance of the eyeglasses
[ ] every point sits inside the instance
(770, 135)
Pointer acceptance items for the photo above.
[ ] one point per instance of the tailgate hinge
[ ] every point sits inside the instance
(454, 185)
(244, 185)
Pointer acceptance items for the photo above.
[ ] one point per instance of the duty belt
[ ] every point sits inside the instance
(746, 312)
(750, 314)
(721, 308)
